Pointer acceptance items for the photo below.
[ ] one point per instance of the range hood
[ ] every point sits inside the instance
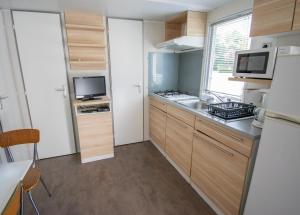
(183, 44)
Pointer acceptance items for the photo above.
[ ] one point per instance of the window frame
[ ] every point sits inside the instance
(208, 52)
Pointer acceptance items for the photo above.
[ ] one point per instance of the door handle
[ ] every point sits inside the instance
(139, 86)
(62, 89)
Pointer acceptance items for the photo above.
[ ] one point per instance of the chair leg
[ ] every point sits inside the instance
(33, 204)
(45, 186)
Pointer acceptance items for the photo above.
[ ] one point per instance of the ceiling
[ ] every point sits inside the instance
(136, 9)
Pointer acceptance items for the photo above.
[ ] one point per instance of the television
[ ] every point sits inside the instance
(89, 87)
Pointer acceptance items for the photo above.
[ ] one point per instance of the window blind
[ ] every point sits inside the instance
(227, 38)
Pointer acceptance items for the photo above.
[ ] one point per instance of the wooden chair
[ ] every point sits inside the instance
(33, 176)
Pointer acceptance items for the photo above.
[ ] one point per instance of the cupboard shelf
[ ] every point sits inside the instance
(92, 45)
(85, 27)
(251, 80)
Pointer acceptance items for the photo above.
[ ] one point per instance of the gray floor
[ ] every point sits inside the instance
(138, 181)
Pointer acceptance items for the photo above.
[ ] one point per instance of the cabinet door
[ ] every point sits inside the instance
(95, 135)
(179, 138)
(296, 24)
(219, 172)
(158, 126)
(272, 16)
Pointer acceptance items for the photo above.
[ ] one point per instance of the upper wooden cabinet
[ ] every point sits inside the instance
(189, 23)
(296, 24)
(87, 44)
(272, 16)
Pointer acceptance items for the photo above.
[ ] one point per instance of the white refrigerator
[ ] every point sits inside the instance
(275, 184)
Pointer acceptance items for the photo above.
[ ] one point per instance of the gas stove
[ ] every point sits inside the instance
(174, 95)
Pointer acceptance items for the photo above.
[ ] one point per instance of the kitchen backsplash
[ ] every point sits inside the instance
(175, 71)
(163, 71)
(189, 75)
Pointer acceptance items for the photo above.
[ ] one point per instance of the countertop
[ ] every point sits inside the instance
(242, 126)
(10, 176)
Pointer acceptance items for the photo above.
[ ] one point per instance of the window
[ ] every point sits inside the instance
(226, 38)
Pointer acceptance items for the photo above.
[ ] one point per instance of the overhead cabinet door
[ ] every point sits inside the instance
(272, 16)
(40, 46)
(296, 24)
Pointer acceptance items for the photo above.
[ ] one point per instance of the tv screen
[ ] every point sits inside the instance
(89, 87)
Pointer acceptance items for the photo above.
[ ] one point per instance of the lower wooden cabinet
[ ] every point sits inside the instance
(95, 135)
(179, 139)
(158, 120)
(219, 172)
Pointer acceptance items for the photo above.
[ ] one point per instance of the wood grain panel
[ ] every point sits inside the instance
(158, 104)
(92, 65)
(85, 19)
(157, 122)
(296, 24)
(179, 137)
(196, 23)
(95, 134)
(14, 203)
(229, 138)
(219, 172)
(272, 16)
(79, 36)
(173, 30)
(87, 44)
(87, 54)
(182, 115)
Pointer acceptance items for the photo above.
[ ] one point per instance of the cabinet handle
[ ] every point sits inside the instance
(223, 133)
(210, 140)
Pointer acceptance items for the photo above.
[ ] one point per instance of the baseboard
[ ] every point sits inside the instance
(96, 158)
(188, 179)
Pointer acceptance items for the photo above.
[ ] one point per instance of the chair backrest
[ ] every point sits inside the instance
(21, 136)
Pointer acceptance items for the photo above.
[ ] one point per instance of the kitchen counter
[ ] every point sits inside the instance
(243, 126)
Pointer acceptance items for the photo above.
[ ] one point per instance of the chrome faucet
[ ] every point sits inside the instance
(217, 96)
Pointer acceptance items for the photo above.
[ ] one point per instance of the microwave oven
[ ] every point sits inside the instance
(256, 63)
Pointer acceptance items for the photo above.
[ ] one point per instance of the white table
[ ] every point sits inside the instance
(10, 176)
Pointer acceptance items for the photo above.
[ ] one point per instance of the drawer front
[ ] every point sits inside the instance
(182, 115)
(229, 138)
(95, 131)
(158, 104)
(157, 126)
(219, 172)
(179, 139)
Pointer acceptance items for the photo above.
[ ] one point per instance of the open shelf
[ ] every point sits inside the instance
(85, 27)
(251, 80)
(92, 45)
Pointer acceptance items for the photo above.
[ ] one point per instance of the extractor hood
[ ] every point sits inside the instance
(183, 44)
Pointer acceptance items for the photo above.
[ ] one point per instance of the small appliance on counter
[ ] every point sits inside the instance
(259, 112)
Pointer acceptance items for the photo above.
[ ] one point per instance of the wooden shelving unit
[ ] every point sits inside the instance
(251, 80)
(87, 43)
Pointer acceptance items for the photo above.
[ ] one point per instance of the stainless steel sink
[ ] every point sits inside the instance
(194, 104)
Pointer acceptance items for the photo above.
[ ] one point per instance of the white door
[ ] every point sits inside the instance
(126, 58)
(39, 41)
(10, 110)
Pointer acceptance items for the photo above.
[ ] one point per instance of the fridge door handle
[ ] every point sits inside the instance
(275, 115)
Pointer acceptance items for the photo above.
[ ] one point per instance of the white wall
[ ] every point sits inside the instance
(154, 33)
